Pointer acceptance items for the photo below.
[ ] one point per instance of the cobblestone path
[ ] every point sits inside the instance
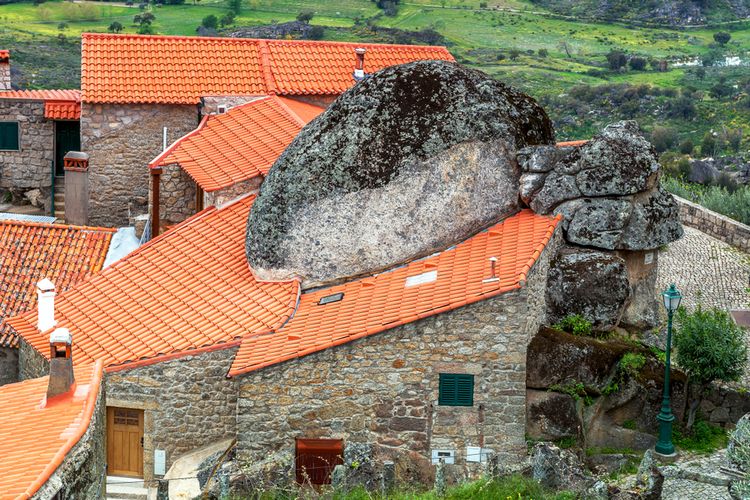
(707, 271)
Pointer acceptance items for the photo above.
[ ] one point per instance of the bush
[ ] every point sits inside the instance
(708, 145)
(514, 54)
(115, 27)
(637, 63)
(227, 19)
(710, 347)
(616, 60)
(704, 438)
(210, 22)
(305, 16)
(722, 38)
(631, 363)
(543, 52)
(316, 33)
(686, 147)
(663, 138)
(575, 324)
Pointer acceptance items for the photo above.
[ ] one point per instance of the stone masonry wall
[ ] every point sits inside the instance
(31, 167)
(176, 196)
(382, 391)
(82, 472)
(31, 364)
(121, 139)
(188, 402)
(719, 226)
(222, 196)
(8, 365)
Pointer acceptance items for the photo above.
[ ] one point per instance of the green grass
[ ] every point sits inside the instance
(705, 438)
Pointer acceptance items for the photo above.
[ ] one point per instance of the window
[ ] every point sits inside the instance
(9, 136)
(316, 458)
(456, 389)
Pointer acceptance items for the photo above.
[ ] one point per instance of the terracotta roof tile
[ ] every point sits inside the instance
(36, 434)
(240, 144)
(384, 301)
(62, 110)
(4, 55)
(179, 70)
(190, 288)
(58, 104)
(30, 252)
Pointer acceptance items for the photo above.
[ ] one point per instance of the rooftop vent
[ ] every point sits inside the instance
(421, 279)
(493, 272)
(336, 297)
(45, 291)
(61, 377)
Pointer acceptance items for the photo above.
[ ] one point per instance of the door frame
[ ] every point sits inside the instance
(110, 445)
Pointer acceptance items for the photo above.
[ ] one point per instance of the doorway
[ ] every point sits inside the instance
(316, 459)
(124, 442)
(67, 138)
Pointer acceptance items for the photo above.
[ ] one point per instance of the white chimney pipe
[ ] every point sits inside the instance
(359, 68)
(45, 292)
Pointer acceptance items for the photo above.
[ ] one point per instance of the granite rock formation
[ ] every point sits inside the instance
(409, 161)
(615, 216)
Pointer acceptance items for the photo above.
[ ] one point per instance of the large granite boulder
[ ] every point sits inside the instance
(588, 282)
(409, 161)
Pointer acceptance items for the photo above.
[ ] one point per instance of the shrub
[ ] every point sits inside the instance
(637, 63)
(703, 438)
(210, 22)
(686, 147)
(722, 38)
(514, 54)
(115, 27)
(227, 19)
(708, 145)
(305, 16)
(663, 138)
(631, 363)
(575, 324)
(316, 33)
(543, 52)
(710, 347)
(616, 60)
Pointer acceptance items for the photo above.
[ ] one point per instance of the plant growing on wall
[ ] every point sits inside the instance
(710, 347)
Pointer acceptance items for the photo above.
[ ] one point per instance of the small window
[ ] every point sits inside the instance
(456, 389)
(9, 136)
(316, 458)
(336, 297)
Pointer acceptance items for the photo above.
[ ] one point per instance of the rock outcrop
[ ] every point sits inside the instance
(615, 216)
(409, 161)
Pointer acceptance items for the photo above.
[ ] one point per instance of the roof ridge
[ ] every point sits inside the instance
(153, 163)
(294, 116)
(266, 65)
(52, 225)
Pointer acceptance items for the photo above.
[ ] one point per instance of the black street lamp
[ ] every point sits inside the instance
(664, 446)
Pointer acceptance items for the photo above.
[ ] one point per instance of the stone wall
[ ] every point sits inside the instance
(188, 403)
(724, 405)
(31, 364)
(176, 196)
(31, 167)
(8, 365)
(82, 472)
(222, 196)
(382, 391)
(210, 104)
(714, 224)
(121, 139)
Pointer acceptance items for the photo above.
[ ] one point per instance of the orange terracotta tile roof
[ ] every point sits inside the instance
(4, 55)
(240, 144)
(189, 289)
(30, 252)
(452, 278)
(571, 143)
(58, 104)
(179, 70)
(37, 434)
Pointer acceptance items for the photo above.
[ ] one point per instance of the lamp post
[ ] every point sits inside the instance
(664, 446)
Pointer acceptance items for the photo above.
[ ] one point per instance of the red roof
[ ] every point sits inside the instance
(30, 252)
(58, 104)
(450, 279)
(36, 434)
(191, 288)
(180, 70)
(4, 55)
(240, 144)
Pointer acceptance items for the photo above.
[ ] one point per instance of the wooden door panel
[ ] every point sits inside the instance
(125, 441)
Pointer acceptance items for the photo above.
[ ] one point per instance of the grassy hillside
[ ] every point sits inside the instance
(561, 61)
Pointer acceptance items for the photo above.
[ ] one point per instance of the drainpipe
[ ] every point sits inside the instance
(155, 215)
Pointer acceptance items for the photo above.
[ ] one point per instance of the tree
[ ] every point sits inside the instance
(700, 73)
(663, 138)
(710, 347)
(305, 16)
(722, 37)
(210, 22)
(682, 107)
(146, 29)
(227, 19)
(565, 46)
(115, 27)
(234, 6)
(145, 18)
(637, 63)
(616, 60)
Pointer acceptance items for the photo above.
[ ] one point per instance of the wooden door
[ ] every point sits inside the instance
(124, 442)
(67, 138)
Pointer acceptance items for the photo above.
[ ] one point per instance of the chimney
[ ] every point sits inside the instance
(45, 292)
(359, 69)
(76, 166)
(4, 70)
(61, 377)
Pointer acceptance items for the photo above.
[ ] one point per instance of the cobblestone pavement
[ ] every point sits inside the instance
(697, 478)
(707, 271)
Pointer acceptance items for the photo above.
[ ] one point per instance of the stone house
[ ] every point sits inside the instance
(37, 129)
(227, 156)
(52, 432)
(31, 252)
(140, 93)
(422, 360)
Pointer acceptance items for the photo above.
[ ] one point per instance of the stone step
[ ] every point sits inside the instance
(59, 206)
(126, 492)
(60, 196)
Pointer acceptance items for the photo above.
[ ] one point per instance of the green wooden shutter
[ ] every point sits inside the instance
(9, 136)
(456, 389)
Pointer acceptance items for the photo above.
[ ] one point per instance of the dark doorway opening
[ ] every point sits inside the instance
(316, 458)
(67, 138)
